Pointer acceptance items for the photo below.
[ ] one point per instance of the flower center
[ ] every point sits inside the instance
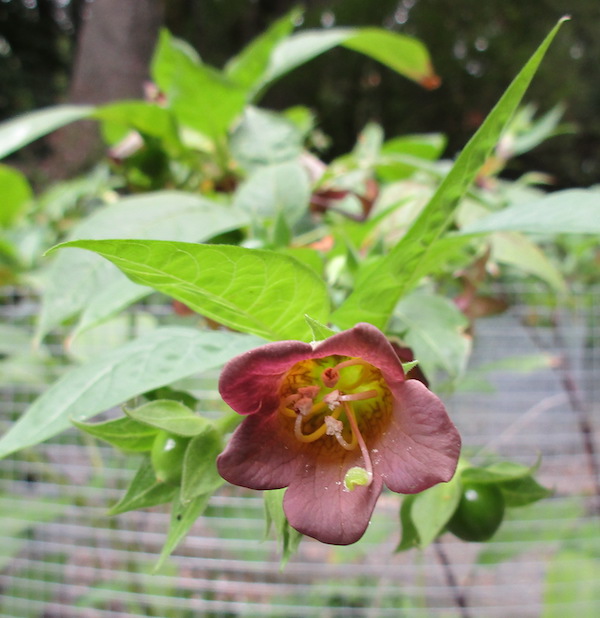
(336, 398)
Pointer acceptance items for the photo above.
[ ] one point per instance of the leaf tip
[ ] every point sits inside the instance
(432, 81)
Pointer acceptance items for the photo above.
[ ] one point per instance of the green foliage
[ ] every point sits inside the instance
(258, 292)
(223, 207)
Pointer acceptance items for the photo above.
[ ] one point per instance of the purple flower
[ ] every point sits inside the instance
(333, 422)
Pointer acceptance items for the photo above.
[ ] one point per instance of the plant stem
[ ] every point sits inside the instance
(459, 596)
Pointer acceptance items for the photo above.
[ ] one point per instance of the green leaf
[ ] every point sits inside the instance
(144, 491)
(523, 491)
(123, 433)
(249, 66)
(572, 211)
(410, 536)
(200, 474)
(85, 282)
(264, 138)
(201, 97)
(517, 250)
(22, 130)
(496, 473)
(378, 287)
(169, 415)
(432, 508)
(259, 292)
(157, 359)
(277, 189)
(287, 536)
(16, 193)
(435, 329)
(147, 118)
(403, 54)
(571, 585)
(319, 331)
(183, 517)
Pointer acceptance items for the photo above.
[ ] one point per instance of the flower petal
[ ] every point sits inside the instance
(369, 343)
(317, 504)
(249, 383)
(420, 446)
(260, 455)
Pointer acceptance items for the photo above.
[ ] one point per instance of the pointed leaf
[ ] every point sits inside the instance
(171, 416)
(248, 67)
(183, 517)
(16, 192)
(259, 292)
(155, 360)
(22, 130)
(378, 287)
(123, 433)
(406, 55)
(201, 97)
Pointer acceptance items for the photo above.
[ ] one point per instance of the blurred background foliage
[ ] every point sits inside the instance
(477, 47)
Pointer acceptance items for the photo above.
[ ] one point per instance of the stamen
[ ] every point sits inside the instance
(358, 396)
(335, 428)
(361, 442)
(332, 399)
(318, 433)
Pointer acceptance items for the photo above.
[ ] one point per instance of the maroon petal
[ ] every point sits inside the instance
(260, 455)
(369, 343)
(317, 504)
(249, 383)
(420, 445)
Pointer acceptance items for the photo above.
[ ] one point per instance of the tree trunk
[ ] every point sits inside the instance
(111, 63)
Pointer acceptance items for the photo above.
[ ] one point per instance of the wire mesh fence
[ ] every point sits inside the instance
(532, 391)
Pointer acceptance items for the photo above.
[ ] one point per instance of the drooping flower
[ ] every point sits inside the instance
(333, 422)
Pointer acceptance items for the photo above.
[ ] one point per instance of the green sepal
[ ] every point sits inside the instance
(275, 516)
(144, 491)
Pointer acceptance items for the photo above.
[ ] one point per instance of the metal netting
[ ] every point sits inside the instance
(532, 391)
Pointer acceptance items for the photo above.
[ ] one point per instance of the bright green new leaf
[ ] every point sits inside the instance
(157, 359)
(319, 331)
(201, 97)
(258, 292)
(432, 508)
(572, 211)
(144, 491)
(249, 66)
(379, 287)
(403, 54)
(200, 474)
(123, 433)
(79, 281)
(183, 517)
(169, 415)
(16, 193)
(22, 130)
(147, 118)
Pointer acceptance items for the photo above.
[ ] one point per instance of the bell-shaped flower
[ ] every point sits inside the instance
(334, 422)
